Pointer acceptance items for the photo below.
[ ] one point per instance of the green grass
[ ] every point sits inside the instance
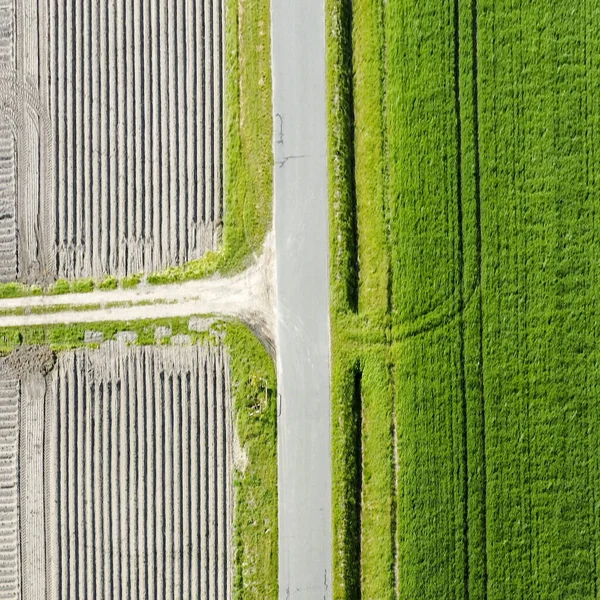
(255, 527)
(464, 226)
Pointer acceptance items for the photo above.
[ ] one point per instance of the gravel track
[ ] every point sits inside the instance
(125, 488)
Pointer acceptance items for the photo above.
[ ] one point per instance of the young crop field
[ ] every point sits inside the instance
(464, 226)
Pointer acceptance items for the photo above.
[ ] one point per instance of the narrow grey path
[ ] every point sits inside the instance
(301, 241)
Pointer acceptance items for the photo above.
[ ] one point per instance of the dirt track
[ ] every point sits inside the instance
(248, 297)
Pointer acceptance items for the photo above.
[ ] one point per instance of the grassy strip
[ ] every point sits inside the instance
(248, 145)
(378, 504)
(255, 527)
(340, 116)
(361, 394)
(369, 161)
(62, 337)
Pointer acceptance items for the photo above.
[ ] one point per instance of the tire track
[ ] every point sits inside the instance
(461, 284)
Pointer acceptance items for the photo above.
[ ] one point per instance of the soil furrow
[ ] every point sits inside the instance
(113, 139)
(203, 480)
(177, 484)
(186, 481)
(216, 117)
(151, 447)
(79, 484)
(97, 490)
(157, 102)
(115, 480)
(132, 261)
(181, 92)
(139, 562)
(195, 476)
(211, 481)
(159, 392)
(106, 548)
(103, 118)
(78, 140)
(168, 483)
(173, 195)
(89, 489)
(126, 532)
(208, 111)
(119, 242)
(69, 91)
(96, 136)
(163, 250)
(199, 121)
(220, 478)
(63, 500)
(86, 129)
(60, 133)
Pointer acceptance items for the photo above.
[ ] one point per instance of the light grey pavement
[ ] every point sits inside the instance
(301, 242)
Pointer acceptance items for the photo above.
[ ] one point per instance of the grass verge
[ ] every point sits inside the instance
(256, 529)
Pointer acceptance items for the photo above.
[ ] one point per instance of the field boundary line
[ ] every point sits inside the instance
(461, 299)
(479, 253)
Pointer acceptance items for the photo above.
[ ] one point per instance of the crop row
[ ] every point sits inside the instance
(126, 476)
(135, 93)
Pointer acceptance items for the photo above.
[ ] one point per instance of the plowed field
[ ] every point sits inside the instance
(116, 475)
(116, 112)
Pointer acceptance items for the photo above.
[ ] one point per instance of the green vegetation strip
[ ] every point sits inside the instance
(464, 222)
(255, 407)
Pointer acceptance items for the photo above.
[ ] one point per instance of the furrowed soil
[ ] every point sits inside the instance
(115, 112)
(117, 474)
(465, 386)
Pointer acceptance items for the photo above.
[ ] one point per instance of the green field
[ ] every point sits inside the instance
(464, 240)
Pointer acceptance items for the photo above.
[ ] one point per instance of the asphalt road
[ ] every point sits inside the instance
(301, 242)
